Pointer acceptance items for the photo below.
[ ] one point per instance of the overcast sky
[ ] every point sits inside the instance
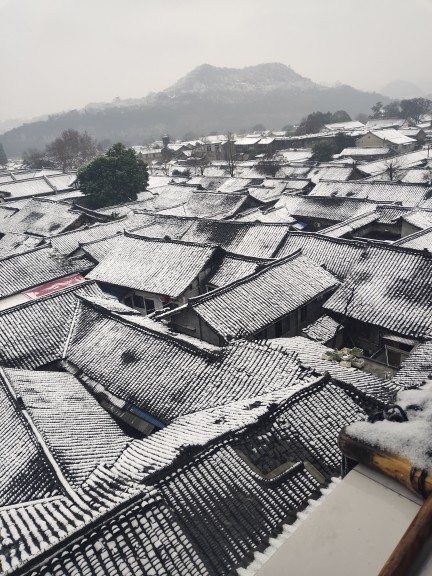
(62, 54)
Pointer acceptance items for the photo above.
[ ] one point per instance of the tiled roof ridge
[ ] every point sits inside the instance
(343, 223)
(49, 201)
(166, 240)
(384, 206)
(146, 329)
(119, 233)
(236, 256)
(345, 241)
(41, 177)
(401, 249)
(273, 410)
(88, 227)
(86, 529)
(11, 208)
(419, 209)
(377, 182)
(167, 216)
(413, 236)
(244, 280)
(331, 199)
(40, 441)
(48, 297)
(43, 247)
(211, 220)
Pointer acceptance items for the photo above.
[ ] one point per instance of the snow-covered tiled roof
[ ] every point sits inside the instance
(393, 136)
(420, 218)
(67, 415)
(207, 205)
(244, 308)
(12, 243)
(419, 240)
(334, 254)
(330, 172)
(310, 354)
(245, 238)
(322, 330)
(153, 265)
(42, 217)
(417, 368)
(402, 161)
(159, 225)
(34, 267)
(27, 188)
(409, 195)
(390, 288)
(68, 242)
(25, 473)
(363, 152)
(168, 376)
(325, 207)
(34, 333)
(351, 225)
(234, 267)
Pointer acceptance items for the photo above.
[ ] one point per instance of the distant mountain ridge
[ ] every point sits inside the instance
(206, 99)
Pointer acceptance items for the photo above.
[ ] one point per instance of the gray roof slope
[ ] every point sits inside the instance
(25, 473)
(351, 225)
(79, 433)
(97, 250)
(417, 368)
(420, 218)
(68, 242)
(159, 225)
(310, 352)
(167, 376)
(408, 195)
(42, 217)
(324, 207)
(27, 188)
(336, 255)
(12, 243)
(419, 240)
(249, 305)
(212, 530)
(34, 334)
(233, 267)
(322, 330)
(153, 265)
(208, 205)
(245, 238)
(389, 287)
(22, 271)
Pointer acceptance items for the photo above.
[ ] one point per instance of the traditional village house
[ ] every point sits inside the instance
(387, 138)
(149, 274)
(384, 303)
(37, 272)
(278, 300)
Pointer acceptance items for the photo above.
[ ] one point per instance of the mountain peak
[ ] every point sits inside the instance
(269, 76)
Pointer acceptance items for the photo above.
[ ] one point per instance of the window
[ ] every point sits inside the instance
(278, 329)
(128, 301)
(303, 314)
(149, 305)
(286, 325)
(138, 301)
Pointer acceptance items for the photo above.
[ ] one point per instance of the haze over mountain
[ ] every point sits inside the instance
(399, 89)
(206, 99)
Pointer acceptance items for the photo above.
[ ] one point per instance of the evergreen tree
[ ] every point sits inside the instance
(114, 178)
